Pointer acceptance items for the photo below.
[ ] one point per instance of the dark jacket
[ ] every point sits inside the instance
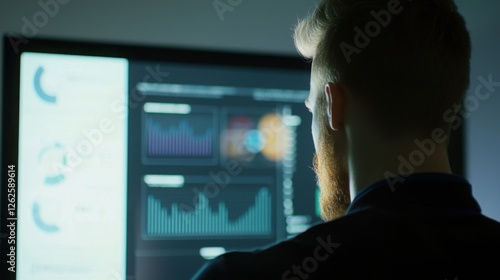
(428, 226)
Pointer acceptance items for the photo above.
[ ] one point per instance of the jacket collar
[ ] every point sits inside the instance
(429, 191)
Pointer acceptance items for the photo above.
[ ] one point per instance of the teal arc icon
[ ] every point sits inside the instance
(53, 156)
(37, 83)
(44, 226)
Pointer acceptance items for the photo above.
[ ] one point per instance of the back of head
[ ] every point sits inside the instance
(406, 62)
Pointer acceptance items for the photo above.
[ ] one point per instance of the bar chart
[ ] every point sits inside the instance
(184, 136)
(206, 220)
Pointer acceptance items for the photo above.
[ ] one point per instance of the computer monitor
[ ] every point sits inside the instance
(135, 162)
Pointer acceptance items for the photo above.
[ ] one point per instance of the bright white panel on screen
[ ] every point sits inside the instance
(72, 167)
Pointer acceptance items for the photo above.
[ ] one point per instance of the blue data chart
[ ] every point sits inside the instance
(170, 136)
(184, 139)
(236, 211)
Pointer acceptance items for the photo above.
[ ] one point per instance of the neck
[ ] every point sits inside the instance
(374, 159)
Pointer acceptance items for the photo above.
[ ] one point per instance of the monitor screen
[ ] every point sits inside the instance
(134, 162)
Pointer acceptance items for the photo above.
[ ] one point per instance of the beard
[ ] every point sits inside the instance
(332, 177)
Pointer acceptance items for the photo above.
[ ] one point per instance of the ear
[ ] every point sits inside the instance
(336, 102)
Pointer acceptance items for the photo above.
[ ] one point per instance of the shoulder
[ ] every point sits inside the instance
(281, 260)
(315, 252)
(379, 240)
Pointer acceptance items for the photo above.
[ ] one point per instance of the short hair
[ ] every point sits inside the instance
(407, 62)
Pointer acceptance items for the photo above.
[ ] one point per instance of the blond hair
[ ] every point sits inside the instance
(407, 62)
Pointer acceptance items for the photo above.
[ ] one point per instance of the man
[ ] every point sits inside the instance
(387, 77)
